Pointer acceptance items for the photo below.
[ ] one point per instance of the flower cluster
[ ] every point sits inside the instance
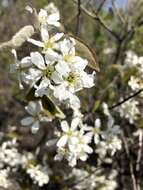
(56, 72)
(130, 110)
(4, 181)
(11, 160)
(134, 65)
(136, 80)
(38, 174)
(93, 179)
(75, 140)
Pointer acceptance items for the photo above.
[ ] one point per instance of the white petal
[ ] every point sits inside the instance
(54, 16)
(62, 67)
(98, 123)
(62, 142)
(35, 127)
(57, 37)
(88, 80)
(96, 138)
(75, 122)
(31, 108)
(26, 62)
(40, 90)
(83, 156)
(67, 47)
(38, 60)
(27, 121)
(64, 126)
(44, 34)
(57, 78)
(88, 149)
(32, 77)
(35, 42)
(74, 101)
(61, 93)
(13, 51)
(39, 107)
(79, 63)
(51, 56)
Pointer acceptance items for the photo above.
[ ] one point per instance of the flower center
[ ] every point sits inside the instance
(67, 58)
(48, 72)
(71, 78)
(48, 44)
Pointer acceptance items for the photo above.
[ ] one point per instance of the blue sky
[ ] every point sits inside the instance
(120, 3)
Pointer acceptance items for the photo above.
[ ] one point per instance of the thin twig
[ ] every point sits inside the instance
(100, 6)
(117, 12)
(126, 99)
(95, 16)
(130, 162)
(78, 17)
(139, 156)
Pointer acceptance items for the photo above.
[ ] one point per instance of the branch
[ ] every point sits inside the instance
(100, 6)
(118, 12)
(78, 17)
(126, 99)
(139, 156)
(96, 17)
(130, 162)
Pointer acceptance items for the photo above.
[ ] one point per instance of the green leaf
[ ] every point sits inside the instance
(31, 95)
(51, 109)
(96, 105)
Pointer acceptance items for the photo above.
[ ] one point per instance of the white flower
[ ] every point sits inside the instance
(19, 67)
(69, 133)
(9, 154)
(129, 110)
(114, 144)
(74, 81)
(35, 110)
(105, 109)
(92, 180)
(43, 72)
(47, 41)
(39, 174)
(94, 131)
(132, 60)
(134, 83)
(73, 144)
(81, 148)
(4, 182)
(68, 55)
(49, 16)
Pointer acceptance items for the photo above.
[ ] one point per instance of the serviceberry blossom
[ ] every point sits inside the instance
(130, 110)
(74, 143)
(19, 67)
(95, 131)
(38, 174)
(136, 80)
(69, 134)
(9, 154)
(49, 16)
(93, 180)
(35, 110)
(134, 83)
(4, 181)
(47, 41)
